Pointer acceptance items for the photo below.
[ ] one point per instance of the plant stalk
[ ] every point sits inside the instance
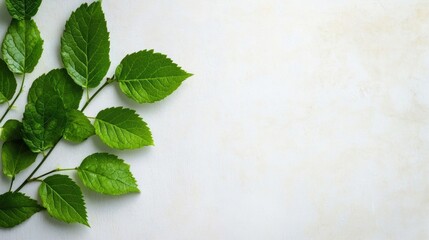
(29, 178)
(53, 171)
(14, 100)
(96, 93)
(11, 183)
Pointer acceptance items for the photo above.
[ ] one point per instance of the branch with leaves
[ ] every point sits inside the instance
(52, 111)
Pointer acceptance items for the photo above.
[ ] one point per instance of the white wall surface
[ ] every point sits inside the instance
(306, 119)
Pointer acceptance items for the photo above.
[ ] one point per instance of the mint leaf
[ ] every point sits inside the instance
(15, 208)
(22, 46)
(23, 9)
(44, 123)
(122, 128)
(11, 130)
(63, 199)
(107, 174)
(7, 83)
(78, 127)
(56, 82)
(147, 77)
(85, 45)
(16, 156)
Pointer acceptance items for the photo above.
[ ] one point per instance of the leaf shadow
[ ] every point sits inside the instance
(4, 182)
(92, 197)
(4, 14)
(104, 201)
(58, 55)
(65, 227)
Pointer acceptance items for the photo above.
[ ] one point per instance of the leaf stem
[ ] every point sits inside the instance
(35, 180)
(55, 170)
(108, 81)
(11, 183)
(87, 94)
(27, 180)
(45, 156)
(14, 100)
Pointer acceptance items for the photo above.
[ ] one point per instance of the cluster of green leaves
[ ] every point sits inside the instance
(52, 111)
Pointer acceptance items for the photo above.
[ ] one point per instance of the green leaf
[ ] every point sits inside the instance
(22, 46)
(7, 83)
(107, 174)
(85, 45)
(44, 123)
(122, 128)
(63, 199)
(147, 77)
(78, 127)
(3, 99)
(15, 208)
(56, 82)
(11, 130)
(16, 156)
(23, 9)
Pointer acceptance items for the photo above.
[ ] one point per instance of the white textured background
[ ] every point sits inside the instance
(305, 119)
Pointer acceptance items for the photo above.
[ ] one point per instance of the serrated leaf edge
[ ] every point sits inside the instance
(135, 114)
(116, 158)
(84, 218)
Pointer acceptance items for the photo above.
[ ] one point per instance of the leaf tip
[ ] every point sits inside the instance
(86, 224)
